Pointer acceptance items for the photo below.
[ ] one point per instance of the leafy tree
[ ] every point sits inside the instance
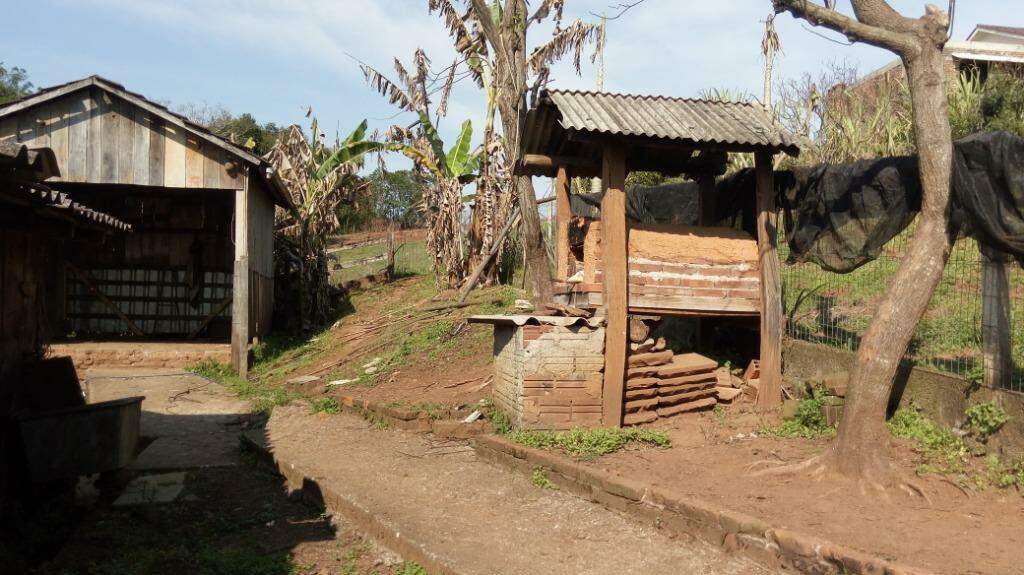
(243, 130)
(398, 197)
(14, 83)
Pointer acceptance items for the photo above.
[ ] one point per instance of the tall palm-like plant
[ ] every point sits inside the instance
(446, 172)
(323, 181)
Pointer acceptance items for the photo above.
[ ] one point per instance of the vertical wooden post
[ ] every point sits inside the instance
(770, 390)
(614, 259)
(240, 282)
(563, 211)
(995, 320)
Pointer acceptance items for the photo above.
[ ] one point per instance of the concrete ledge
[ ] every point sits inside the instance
(385, 532)
(414, 420)
(773, 547)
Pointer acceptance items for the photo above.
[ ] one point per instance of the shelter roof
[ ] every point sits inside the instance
(561, 117)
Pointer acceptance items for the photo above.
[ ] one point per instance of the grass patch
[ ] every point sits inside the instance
(263, 396)
(327, 405)
(539, 477)
(591, 443)
(941, 449)
(411, 568)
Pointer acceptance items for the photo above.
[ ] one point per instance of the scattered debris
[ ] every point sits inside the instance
(473, 416)
(568, 310)
(728, 394)
(372, 363)
(150, 489)
(523, 305)
(304, 379)
(338, 382)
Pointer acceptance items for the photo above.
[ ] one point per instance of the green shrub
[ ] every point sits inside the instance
(591, 443)
(943, 451)
(984, 419)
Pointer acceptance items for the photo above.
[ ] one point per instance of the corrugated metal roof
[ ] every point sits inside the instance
(687, 120)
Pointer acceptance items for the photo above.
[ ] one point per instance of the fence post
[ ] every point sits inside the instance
(996, 349)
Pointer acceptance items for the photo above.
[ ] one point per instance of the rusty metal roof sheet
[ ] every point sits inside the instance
(686, 120)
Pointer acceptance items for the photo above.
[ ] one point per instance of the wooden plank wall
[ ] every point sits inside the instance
(261, 259)
(101, 138)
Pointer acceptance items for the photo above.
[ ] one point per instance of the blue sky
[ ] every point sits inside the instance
(272, 58)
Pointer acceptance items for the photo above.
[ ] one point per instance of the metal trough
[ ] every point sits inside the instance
(94, 438)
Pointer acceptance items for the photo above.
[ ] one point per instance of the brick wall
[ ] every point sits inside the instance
(549, 377)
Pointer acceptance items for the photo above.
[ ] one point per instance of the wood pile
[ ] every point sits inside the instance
(661, 384)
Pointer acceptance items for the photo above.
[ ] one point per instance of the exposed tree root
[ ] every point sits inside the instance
(878, 479)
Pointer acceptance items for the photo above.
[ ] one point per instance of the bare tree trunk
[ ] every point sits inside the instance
(863, 425)
(861, 449)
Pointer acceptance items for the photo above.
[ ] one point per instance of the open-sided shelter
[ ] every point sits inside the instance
(200, 260)
(662, 270)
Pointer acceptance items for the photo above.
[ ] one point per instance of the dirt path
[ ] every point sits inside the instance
(476, 517)
(190, 421)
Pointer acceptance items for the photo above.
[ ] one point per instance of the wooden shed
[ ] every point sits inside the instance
(669, 269)
(200, 261)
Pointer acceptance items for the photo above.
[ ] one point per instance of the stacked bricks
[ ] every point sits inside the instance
(562, 376)
(661, 384)
(549, 376)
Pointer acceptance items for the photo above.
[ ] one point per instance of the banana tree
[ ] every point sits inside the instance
(446, 172)
(322, 181)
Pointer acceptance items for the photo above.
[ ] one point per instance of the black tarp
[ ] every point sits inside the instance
(840, 217)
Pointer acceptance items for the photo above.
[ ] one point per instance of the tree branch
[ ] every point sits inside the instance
(854, 30)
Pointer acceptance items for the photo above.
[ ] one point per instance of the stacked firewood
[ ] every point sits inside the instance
(661, 384)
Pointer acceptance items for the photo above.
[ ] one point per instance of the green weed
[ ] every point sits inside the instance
(263, 396)
(984, 419)
(591, 443)
(539, 477)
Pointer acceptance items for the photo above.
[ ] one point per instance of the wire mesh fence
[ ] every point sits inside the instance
(836, 309)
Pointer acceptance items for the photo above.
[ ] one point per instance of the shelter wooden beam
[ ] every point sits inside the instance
(542, 165)
(770, 389)
(563, 211)
(614, 242)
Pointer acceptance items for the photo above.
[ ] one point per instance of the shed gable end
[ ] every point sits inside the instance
(100, 138)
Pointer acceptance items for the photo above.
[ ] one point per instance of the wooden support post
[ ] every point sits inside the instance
(563, 211)
(770, 389)
(995, 320)
(614, 257)
(240, 293)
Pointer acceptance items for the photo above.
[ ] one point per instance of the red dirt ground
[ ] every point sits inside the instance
(955, 533)
(981, 533)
